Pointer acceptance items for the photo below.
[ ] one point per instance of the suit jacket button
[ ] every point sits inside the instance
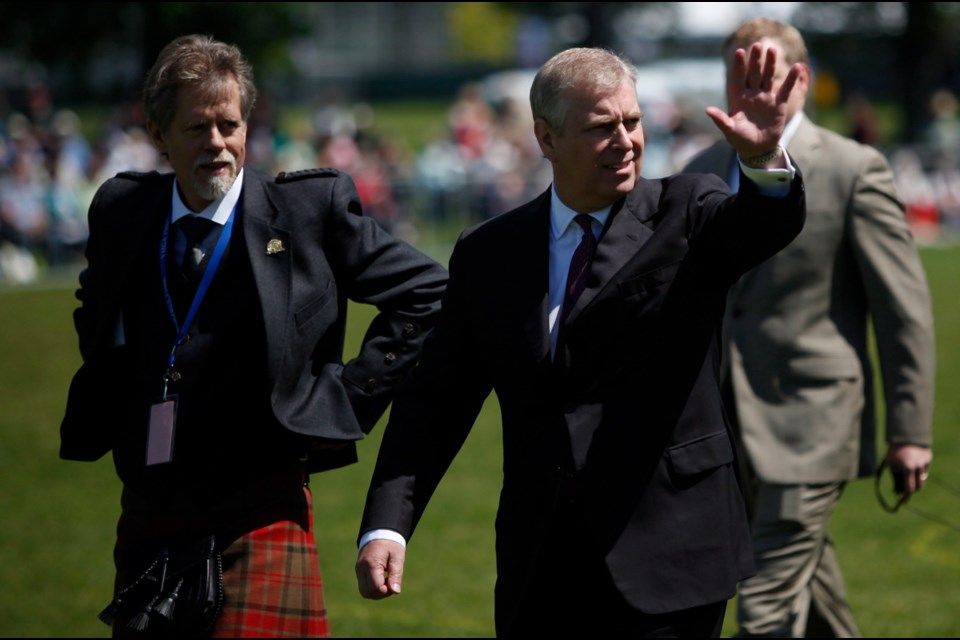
(372, 385)
(390, 358)
(409, 329)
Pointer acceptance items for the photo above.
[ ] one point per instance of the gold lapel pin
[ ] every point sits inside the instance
(275, 246)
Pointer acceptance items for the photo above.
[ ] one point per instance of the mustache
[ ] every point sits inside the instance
(224, 156)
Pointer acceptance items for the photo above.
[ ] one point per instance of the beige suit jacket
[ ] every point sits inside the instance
(798, 331)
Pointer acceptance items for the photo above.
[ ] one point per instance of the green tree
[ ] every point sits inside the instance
(98, 50)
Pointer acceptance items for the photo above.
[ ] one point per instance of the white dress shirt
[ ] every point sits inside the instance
(217, 211)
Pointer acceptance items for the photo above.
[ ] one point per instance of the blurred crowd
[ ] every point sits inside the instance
(480, 161)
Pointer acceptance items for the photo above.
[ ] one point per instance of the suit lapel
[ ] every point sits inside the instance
(623, 236)
(804, 148)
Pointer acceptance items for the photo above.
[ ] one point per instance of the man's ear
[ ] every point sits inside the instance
(806, 76)
(545, 137)
(156, 137)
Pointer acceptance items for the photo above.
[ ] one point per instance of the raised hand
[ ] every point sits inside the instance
(757, 102)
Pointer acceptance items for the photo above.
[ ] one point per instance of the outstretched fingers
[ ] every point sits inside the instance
(786, 87)
(738, 69)
(756, 69)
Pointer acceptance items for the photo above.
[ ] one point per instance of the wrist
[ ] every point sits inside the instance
(761, 160)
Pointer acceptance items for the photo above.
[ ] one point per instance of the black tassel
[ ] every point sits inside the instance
(140, 621)
(109, 613)
(167, 605)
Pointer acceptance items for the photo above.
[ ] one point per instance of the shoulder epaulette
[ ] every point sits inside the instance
(303, 174)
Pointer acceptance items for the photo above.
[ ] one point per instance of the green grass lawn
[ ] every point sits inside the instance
(902, 570)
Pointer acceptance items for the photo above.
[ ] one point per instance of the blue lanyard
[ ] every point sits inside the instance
(201, 292)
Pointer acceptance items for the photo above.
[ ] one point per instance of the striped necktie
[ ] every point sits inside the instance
(579, 265)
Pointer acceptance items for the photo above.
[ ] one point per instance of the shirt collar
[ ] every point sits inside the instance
(790, 129)
(561, 216)
(218, 211)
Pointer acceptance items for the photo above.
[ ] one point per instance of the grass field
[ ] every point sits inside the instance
(56, 534)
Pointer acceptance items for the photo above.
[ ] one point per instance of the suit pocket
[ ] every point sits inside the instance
(648, 283)
(644, 294)
(313, 311)
(690, 459)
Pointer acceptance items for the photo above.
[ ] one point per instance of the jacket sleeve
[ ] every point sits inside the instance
(88, 425)
(403, 284)
(899, 301)
(345, 256)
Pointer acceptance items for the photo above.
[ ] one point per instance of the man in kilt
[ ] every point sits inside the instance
(213, 364)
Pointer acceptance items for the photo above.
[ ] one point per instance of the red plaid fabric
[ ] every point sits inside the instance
(271, 570)
(272, 585)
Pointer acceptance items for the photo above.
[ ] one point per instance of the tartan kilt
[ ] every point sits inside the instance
(272, 586)
(271, 569)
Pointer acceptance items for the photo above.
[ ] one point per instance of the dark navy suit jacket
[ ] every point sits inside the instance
(631, 421)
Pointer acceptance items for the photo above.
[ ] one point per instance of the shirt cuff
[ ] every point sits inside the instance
(774, 183)
(381, 534)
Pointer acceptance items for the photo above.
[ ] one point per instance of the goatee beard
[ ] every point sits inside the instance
(217, 186)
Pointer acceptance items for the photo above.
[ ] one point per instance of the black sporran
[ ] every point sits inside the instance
(181, 592)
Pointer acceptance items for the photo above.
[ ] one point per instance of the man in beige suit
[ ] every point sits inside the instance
(798, 363)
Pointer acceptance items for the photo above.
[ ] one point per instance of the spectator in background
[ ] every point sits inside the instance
(441, 174)
(23, 195)
(470, 119)
(915, 188)
(362, 161)
(863, 120)
(942, 135)
(129, 149)
(333, 118)
(945, 183)
(70, 160)
(797, 368)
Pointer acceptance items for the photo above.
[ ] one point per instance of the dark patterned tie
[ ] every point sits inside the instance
(579, 265)
(195, 230)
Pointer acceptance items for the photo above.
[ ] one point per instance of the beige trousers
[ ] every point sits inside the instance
(798, 590)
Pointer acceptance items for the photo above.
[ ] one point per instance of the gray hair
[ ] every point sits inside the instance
(201, 61)
(590, 67)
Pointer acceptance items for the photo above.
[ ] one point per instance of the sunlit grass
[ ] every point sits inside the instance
(902, 570)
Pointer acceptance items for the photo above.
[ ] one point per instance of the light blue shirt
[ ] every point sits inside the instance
(565, 235)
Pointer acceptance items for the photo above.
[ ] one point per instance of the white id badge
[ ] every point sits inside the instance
(163, 422)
